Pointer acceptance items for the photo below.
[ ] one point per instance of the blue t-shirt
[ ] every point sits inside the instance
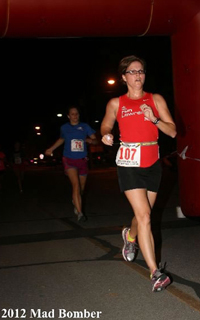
(75, 146)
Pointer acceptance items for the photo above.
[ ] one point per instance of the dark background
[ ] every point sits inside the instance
(41, 77)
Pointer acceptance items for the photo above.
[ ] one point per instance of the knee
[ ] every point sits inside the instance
(76, 188)
(144, 218)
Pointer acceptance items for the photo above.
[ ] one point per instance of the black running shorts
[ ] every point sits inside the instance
(140, 178)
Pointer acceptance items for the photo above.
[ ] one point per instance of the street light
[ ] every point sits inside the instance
(111, 81)
(37, 128)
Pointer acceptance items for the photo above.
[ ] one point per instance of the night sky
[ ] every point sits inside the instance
(40, 77)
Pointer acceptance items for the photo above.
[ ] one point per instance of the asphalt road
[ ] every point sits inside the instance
(52, 267)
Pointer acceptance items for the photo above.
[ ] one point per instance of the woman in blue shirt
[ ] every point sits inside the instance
(75, 135)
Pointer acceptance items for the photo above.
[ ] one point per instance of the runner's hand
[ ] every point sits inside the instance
(107, 139)
(148, 112)
(48, 152)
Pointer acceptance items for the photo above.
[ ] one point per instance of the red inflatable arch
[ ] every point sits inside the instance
(179, 19)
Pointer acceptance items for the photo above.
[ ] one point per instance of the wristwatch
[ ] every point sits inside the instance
(156, 121)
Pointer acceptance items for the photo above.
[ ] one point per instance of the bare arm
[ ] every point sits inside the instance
(57, 144)
(109, 120)
(92, 139)
(166, 123)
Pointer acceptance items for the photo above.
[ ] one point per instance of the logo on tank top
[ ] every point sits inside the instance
(129, 112)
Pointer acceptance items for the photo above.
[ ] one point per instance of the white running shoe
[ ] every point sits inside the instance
(80, 215)
(75, 210)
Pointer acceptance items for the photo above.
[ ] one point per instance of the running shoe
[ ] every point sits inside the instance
(80, 216)
(159, 281)
(129, 249)
(75, 210)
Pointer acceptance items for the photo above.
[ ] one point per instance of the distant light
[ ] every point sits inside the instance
(38, 133)
(97, 121)
(41, 156)
(111, 81)
(59, 115)
(37, 128)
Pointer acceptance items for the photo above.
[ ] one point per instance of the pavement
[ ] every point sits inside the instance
(52, 267)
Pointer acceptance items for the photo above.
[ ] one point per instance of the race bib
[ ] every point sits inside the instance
(77, 145)
(129, 155)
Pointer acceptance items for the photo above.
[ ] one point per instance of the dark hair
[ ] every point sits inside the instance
(72, 107)
(126, 61)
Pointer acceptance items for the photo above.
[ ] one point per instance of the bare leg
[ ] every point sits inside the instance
(76, 192)
(141, 202)
(133, 230)
(82, 183)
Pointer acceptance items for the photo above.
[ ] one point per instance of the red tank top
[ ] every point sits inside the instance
(134, 127)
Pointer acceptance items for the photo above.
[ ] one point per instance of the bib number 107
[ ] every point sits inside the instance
(127, 153)
(128, 156)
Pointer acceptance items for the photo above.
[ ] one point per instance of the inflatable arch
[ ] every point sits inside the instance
(179, 19)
